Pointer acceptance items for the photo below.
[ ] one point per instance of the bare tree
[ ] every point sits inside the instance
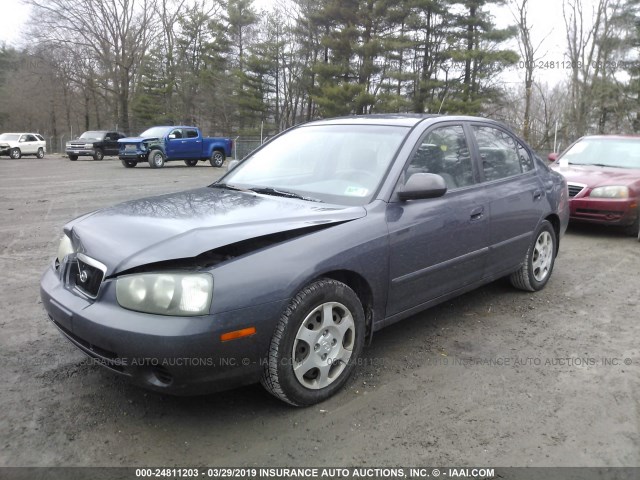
(529, 55)
(116, 33)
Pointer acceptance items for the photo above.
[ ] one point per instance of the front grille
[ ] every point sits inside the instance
(89, 275)
(575, 189)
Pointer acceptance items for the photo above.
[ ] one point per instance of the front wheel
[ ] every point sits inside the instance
(73, 158)
(537, 265)
(98, 155)
(156, 159)
(316, 344)
(634, 228)
(217, 158)
(15, 153)
(129, 163)
(191, 163)
(40, 153)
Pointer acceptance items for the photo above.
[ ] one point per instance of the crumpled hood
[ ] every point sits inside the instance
(593, 176)
(136, 139)
(186, 224)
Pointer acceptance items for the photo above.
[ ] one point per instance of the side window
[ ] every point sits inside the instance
(444, 151)
(191, 133)
(526, 160)
(177, 133)
(500, 154)
(40, 138)
(31, 138)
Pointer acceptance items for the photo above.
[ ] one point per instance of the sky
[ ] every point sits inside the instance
(545, 17)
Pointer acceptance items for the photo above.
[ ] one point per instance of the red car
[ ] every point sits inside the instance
(603, 175)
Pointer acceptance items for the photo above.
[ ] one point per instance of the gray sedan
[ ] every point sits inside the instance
(285, 267)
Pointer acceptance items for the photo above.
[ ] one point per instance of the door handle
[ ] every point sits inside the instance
(537, 194)
(477, 214)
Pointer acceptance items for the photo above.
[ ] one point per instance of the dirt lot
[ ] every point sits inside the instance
(495, 378)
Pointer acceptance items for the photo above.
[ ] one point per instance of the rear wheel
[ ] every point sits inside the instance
(191, 163)
(15, 153)
(129, 163)
(217, 158)
(73, 158)
(316, 344)
(538, 262)
(40, 153)
(98, 155)
(156, 159)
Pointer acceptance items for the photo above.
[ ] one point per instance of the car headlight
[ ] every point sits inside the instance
(88, 145)
(68, 145)
(180, 294)
(65, 248)
(610, 192)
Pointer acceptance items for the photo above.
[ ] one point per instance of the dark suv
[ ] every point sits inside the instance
(95, 143)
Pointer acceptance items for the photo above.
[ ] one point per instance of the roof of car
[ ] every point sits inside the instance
(399, 119)
(623, 136)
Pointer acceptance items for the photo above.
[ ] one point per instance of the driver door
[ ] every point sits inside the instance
(438, 245)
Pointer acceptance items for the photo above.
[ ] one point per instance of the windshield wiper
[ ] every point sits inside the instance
(228, 186)
(282, 193)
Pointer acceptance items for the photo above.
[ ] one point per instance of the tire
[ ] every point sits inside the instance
(40, 153)
(538, 262)
(73, 158)
(217, 158)
(312, 355)
(191, 163)
(634, 228)
(98, 155)
(156, 159)
(15, 153)
(129, 163)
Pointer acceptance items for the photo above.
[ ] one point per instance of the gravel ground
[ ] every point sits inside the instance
(495, 378)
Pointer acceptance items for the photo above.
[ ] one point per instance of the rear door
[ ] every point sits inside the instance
(192, 143)
(514, 192)
(438, 245)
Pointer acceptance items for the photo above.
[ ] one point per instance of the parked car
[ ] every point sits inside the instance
(281, 271)
(94, 143)
(159, 145)
(603, 174)
(16, 145)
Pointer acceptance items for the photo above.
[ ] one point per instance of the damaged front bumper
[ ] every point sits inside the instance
(176, 355)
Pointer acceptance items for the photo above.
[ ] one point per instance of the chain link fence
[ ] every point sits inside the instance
(242, 145)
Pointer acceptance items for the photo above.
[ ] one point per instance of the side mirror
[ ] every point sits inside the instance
(172, 136)
(552, 157)
(232, 164)
(423, 185)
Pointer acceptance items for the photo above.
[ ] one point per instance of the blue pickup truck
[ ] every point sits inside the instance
(159, 145)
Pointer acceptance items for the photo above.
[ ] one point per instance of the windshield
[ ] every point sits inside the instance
(10, 137)
(155, 132)
(92, 136)
(605, 152)
(342, 164)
